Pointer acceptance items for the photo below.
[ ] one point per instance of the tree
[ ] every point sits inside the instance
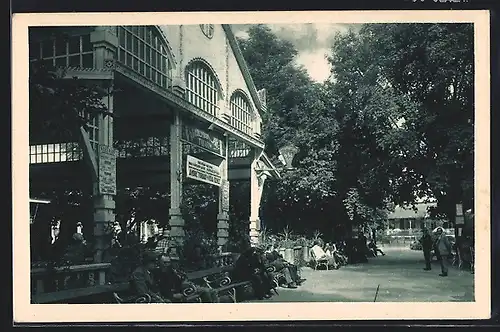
(59, 106)
(296, 114)
(432, 65)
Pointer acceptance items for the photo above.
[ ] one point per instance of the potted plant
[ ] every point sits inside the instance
(286, 248)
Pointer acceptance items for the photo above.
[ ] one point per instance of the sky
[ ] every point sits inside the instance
(312, 41)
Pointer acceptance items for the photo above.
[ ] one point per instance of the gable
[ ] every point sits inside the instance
(219, 51)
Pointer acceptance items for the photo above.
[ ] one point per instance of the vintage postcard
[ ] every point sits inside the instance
(244, 166)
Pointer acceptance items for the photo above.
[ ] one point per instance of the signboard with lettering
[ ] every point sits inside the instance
(203, 171)
(107, 170)
(206, 140)
(225, 195)
(459, 219)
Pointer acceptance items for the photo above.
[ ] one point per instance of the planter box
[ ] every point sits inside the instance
(305, 254)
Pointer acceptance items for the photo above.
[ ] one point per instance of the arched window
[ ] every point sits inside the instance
(202, 88)
(241, 112)
(142, 49)
(64, 51)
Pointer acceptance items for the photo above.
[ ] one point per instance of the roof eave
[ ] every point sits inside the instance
(243, 67)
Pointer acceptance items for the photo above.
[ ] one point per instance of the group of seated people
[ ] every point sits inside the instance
(267, 270)
(157, 278)
(164, 283)
(355, 250)
(328, 252)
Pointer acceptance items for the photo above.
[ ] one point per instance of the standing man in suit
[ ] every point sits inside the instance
(443, 251)
(426, 242)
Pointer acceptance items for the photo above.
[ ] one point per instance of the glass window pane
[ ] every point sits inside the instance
(121, 56)
(148, 72)
(148, 55)
(74, 45)
(88, 60)
(86, 44)
(163, 64)
(148, 36)
(60, 47)
(34, 51)
(129, 41)
(128, 62)
(74, 61)
(136, 64)
(47, 49)
(61, 62)
(141, 68)
(153, 62)
(121, 36)
(48, 63)
(136, 46)
(141, 31)
(141, 50)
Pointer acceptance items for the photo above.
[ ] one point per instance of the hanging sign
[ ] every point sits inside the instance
(203, 139)
(107, 170)
(203, 171)
(225, 196)
(459, 218)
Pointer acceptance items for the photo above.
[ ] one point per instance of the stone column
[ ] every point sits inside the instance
(257, 180)
(223, 215)
(175, 215)
(105, 43)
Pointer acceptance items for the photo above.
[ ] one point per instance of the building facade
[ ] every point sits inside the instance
(182, 107)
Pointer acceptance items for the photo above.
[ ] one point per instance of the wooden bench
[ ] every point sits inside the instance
(219, 279)
(71, 294)
(71, 284)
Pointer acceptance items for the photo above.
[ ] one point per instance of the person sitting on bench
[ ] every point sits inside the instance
(290, 272)
(320, 254)
(374, 249)
(142, 281)
(171, 282)
(250, 266)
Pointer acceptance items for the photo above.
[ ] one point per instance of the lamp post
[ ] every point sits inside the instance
(286, 155)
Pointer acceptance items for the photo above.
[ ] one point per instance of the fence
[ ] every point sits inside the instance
(49, 285)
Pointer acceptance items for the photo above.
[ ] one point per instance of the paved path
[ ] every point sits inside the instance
(400, 275)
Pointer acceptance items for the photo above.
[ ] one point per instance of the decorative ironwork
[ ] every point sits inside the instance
(142, 147)
(109, 63)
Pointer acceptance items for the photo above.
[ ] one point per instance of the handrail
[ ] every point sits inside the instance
(71, 268)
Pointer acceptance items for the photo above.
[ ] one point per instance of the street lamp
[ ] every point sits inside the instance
(286, 155)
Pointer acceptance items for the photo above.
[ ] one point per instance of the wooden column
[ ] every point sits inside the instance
(175, 215)
(223, 215)
(105, 43)
(257, 180)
